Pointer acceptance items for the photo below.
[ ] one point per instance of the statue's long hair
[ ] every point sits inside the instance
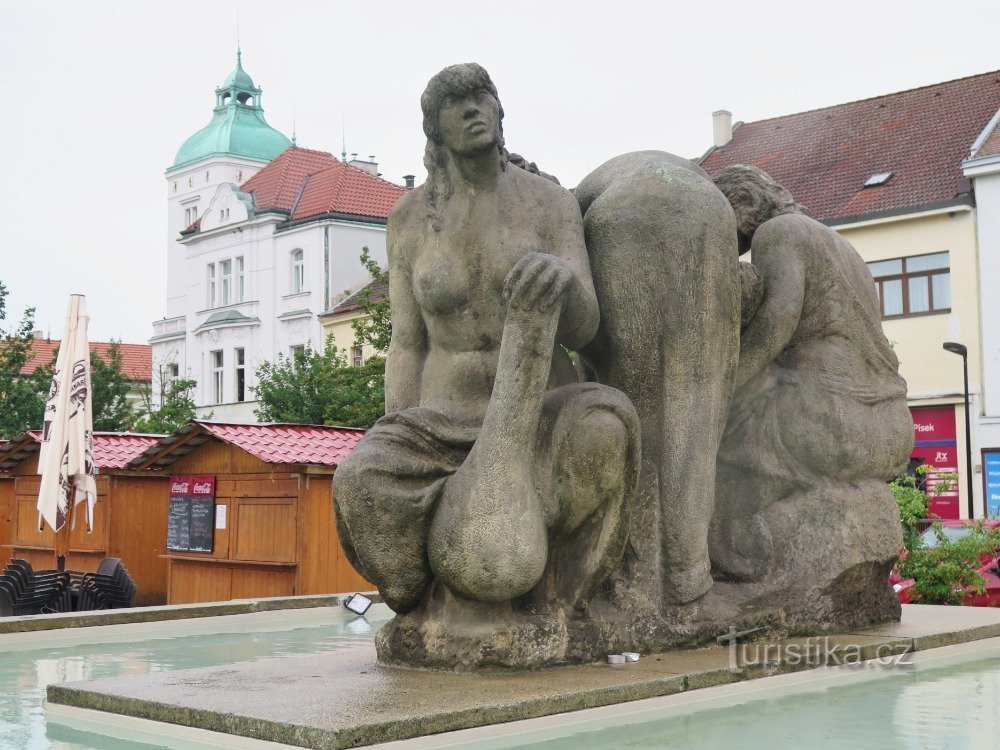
(755, 197)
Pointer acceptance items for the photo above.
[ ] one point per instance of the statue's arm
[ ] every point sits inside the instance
(408, 346)
(580, 316)
(777, 255)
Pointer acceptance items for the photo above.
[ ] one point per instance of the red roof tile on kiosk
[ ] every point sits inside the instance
(274, 443)
(308, 183)
(112, 450)
(289, 443)
(115, 450)
(137, 359)
(825, 156)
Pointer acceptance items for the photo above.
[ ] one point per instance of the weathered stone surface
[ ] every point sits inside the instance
(346, 699)
(727, 466)
(497, 487)
(818, 423)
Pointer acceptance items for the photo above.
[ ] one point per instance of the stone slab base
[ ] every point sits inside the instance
(345, 699)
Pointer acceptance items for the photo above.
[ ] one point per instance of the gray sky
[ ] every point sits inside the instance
(98, 96)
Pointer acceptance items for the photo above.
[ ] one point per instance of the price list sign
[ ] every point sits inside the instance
(191, 519)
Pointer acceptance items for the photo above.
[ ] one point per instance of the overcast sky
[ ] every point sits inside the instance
(98, 96)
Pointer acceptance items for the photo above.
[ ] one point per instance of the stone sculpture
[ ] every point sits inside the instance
(495, 476)
(513, 515)
(819, 422)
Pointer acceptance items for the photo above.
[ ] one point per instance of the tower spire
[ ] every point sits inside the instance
(294, 137)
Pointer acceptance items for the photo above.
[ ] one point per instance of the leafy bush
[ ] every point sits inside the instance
(948, 572)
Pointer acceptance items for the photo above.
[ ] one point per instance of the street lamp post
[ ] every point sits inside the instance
(963, 351)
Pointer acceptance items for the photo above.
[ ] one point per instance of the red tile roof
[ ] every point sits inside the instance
(273, 443)
(379, 291)
(115, 450)
(825, 156)
(308, 183)
(137, 359)
(991, 146)
(112, 450)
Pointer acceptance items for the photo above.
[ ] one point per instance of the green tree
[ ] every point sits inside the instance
(375, 329)
(22, 396)
(109, 387)
(176, 408)
(321, 388)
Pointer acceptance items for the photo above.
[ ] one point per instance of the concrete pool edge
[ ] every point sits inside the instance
(33, 623)
(344, 699)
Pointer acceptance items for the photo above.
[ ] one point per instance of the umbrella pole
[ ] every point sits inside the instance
(62, 539)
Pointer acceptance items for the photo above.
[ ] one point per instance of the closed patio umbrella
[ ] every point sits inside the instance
(66, 460)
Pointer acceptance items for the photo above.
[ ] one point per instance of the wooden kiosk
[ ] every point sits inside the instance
(128, 519)
(251, 510)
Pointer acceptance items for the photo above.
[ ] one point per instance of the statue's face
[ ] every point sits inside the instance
(470, 123)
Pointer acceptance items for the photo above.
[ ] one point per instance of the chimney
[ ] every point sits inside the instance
(722, 127)
(369, 166)
(408, 181)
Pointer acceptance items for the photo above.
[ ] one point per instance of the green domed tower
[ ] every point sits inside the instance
(238, 127)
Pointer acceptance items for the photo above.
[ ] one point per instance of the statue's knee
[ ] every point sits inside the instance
(597, 447)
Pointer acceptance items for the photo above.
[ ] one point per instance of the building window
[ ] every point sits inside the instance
(240, 280)
(298, 283)
(223, 214)
(297, 350)
(217, 377)
(241, 374)
(918, 285)
(190, 215)
(357, 356)
(206, 175)
(239, 175)
(175, 186)
(211, 285)
(171, 373)
(226, 274)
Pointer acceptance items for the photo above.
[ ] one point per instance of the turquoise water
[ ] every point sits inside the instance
(25, 671)
(901, 709)
(898, 708)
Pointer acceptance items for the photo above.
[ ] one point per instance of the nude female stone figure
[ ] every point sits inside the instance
(494, 473)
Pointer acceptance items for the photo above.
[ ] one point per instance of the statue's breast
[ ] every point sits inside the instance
(441, 285)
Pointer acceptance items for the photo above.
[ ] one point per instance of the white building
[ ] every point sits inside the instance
(262, 237)
(983, 168)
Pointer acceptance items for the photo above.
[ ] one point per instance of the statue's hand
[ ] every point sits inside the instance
(537, 282)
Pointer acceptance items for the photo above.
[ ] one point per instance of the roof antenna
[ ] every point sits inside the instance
(343, 134)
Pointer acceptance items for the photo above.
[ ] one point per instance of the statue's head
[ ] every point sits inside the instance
(755, 197)
(454, 100)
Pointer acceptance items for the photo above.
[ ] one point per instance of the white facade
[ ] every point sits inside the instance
(246, 287)
(985, 172)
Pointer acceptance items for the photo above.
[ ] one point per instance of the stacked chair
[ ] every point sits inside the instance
(24, 591)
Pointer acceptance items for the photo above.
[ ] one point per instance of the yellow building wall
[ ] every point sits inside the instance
(338, 332)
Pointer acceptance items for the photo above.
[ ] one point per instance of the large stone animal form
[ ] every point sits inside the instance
(663, 250)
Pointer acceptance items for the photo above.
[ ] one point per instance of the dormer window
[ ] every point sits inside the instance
(878, 179)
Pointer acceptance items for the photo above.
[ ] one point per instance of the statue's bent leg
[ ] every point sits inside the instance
(488, 540)
(589, 451)
(385, 493)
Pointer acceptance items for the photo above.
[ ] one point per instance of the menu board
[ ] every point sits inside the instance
(191, 519)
